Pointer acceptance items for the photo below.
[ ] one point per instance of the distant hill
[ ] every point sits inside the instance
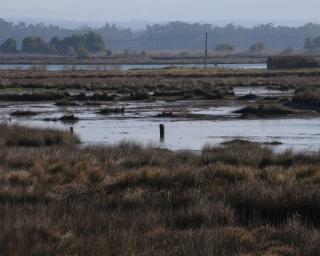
(173, 35)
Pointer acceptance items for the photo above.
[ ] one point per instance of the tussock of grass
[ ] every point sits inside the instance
(306, 100)
(16, 136)
(236, 199)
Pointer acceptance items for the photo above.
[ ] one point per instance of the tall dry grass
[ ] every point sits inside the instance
(237, 199)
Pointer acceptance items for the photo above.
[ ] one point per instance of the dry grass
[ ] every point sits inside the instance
(16, 136)
(307, 99)
(136, 85)
(237, 199)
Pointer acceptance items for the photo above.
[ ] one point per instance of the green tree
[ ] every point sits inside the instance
(35, 45)
(94, 42)
(9, 46)
(308, 44)
(312, 45)
(55, 43)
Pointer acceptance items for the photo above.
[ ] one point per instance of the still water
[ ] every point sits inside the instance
(301, 135)
(139, 123)
(125, 67)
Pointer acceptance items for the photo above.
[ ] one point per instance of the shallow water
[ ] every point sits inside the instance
(302, 135)
(125, 67)
(261, 91)
(226, 111)
(132, 110)
(140, 124)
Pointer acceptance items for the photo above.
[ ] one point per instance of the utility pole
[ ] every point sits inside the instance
(206, 52)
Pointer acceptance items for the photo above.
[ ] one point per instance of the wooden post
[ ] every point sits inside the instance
(206, 51)
(162, 132)
(71, 130)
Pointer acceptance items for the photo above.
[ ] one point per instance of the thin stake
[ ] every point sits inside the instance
(206, 52)
(71, 130)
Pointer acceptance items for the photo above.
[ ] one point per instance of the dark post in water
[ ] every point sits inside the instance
(71, 130)
(161, 132)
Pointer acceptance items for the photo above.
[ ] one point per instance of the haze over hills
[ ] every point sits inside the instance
(171, 36)
(136, 24)
(146, 25)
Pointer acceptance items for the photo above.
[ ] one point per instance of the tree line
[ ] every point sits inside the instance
(173, 35)
(312, 45)
(80, 44)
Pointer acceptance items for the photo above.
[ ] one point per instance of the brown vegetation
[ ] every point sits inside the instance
(306, 99)
(292, 62)
(237, 199)
(166, 84)
(264, 111)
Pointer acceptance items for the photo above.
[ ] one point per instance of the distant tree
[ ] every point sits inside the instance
(308, 44)
(82, 53)
(312, 45)
(77, 41)
(55, 43)
(9, 46)
(275, 37)
(257, 47)
(94, 42)
(224, 47)
(35, 45)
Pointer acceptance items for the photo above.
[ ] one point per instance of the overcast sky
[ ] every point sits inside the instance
(162, 10)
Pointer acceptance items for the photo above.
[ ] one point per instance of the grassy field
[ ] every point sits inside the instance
(173, 78)
(61, 198)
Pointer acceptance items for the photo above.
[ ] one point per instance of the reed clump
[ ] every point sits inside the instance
(17, 136)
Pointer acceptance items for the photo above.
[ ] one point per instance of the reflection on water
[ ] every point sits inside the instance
(125, 67)
(261, 91)
(139, 124)
(299, 134)
(227, 111)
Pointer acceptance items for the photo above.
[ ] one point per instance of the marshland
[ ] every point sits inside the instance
(197, 106)
(159, 128)
(236, 174)
(59, 197)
